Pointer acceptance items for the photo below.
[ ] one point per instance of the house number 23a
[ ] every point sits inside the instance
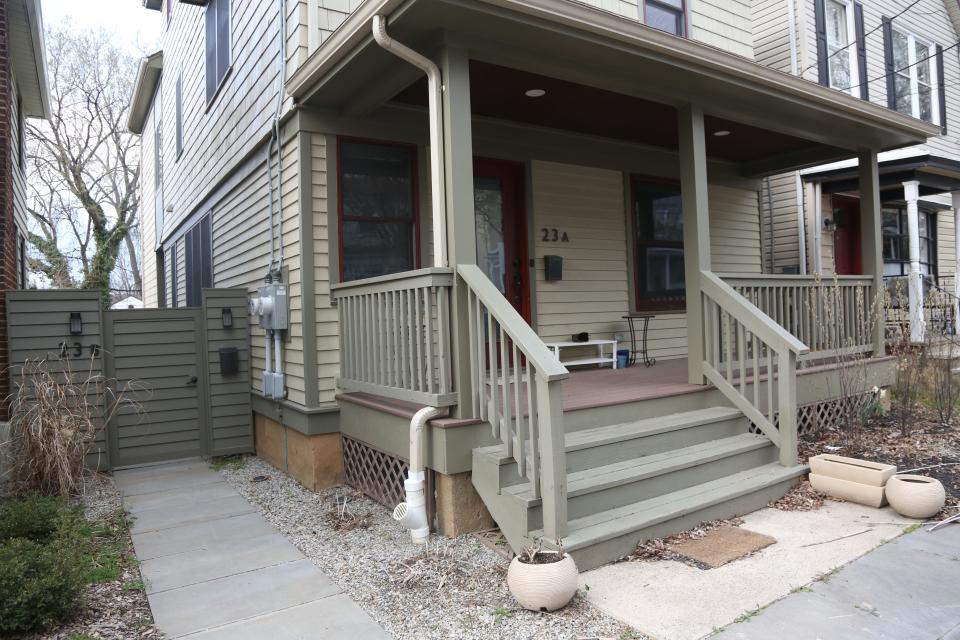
(553, 234)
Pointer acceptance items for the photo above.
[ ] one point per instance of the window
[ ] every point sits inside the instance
(173, 274)
(179, 109)
(218, 44)
(169, 12)
(666, 15)
(161, 279)
(841, 36)
(198, 265)
(914, 70)
(22, 259)
(157, 158)
(896, 242)
(378, 210)
(21, 136)
(658, 245)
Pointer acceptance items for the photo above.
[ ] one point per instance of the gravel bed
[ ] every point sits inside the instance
(454, 589)
(114, 610)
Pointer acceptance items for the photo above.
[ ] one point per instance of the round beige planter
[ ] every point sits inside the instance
(915, 496)
(543, 587)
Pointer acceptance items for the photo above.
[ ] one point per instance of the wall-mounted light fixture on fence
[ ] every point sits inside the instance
(76, 323)
(226, 317)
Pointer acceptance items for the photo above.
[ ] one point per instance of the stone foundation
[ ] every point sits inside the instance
(459, 508)
(316, 462)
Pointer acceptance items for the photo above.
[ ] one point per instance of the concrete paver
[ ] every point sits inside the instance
(214, 568)
(904, 590)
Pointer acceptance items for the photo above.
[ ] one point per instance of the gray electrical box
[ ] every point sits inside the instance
(271, 306)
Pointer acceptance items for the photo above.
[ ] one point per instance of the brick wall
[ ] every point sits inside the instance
(8, 231)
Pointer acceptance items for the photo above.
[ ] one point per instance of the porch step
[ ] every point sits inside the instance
(589, 448)
(611, 534)
(621, 483)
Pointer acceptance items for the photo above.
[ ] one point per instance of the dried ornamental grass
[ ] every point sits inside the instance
(57, 416)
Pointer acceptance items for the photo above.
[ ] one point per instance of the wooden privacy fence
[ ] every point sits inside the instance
(394, 336)
(192, 371)
(832, 316)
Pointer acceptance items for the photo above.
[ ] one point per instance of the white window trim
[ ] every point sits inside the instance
(851, 50)
(912, 41)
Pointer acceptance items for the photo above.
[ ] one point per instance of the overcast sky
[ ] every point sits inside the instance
(135, 27)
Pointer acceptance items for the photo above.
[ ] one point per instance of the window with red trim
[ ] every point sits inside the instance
(378, 209)
(658, 245)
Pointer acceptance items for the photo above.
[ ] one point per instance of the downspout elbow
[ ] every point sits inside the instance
(412, 513)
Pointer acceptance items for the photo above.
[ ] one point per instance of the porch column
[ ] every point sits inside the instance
(871, 240)
(461, 226)
(911, 193)
(956, 264)
(696, 229)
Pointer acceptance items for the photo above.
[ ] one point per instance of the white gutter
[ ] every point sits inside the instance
(435, 91)
(412, 513)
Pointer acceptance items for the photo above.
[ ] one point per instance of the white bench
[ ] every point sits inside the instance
(600, 359)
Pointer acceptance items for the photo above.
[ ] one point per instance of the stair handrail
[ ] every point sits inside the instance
(756, 337)
(516, 386)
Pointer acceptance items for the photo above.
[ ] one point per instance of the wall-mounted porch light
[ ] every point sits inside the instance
(829, 224)
(76, 323)
(226, 317)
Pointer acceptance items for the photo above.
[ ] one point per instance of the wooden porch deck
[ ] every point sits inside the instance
(589, 388)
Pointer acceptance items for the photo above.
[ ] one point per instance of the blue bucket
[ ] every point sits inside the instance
(623, 358)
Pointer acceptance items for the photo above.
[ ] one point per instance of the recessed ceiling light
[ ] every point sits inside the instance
(534, 93)
(721, 133)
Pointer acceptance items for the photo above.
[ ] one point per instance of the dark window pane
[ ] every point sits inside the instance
(660, 16)
(658, 224)
(374, 248)
(211, 48)
(223, 38)
(376, 181)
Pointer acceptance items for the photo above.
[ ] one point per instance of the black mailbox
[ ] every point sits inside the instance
(229, 361)
(552, 268)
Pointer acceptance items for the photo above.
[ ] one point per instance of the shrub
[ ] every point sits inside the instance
(33, 516)
(41, 584)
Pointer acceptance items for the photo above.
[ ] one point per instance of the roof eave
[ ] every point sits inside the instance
(144, 88)
(36, 69)
(356, 31)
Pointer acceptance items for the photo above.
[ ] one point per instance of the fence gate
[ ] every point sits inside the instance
(190, 368)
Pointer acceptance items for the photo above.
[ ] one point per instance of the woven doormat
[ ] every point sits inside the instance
(723, 545)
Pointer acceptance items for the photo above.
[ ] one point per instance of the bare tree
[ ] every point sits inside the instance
(85, 165)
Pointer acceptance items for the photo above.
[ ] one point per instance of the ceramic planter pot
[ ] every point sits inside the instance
(543, 587)
(915, 496)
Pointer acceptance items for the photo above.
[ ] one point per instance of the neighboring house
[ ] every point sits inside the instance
(411, 228)
(23, 94)
(902, 57)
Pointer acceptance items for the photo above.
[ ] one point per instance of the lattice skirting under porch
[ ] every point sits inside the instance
(823, 414)
(378, 474)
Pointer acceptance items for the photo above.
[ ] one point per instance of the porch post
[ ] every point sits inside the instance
(871, 240)
(461, 227)
(956, 264)
(911, 193)
(696, 229)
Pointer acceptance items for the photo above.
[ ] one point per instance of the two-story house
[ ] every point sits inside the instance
(904, 57)
(454, 194)
(23, 94)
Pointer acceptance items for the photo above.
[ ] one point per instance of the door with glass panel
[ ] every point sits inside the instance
(501, 229)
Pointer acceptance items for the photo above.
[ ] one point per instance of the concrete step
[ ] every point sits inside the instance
(620, 483)
(589, 448)
(610, 534)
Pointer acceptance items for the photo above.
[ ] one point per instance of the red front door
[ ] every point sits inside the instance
(501, 229)
(846, 236)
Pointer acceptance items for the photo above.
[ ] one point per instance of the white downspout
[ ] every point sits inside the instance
(435, 91)
(412, 514)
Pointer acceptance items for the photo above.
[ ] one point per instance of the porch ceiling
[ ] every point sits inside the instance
(785, 122)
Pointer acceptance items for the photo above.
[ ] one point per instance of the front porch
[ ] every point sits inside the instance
(598, 459)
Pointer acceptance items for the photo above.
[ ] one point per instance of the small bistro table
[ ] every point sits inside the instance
(600, 359)
(631, 318)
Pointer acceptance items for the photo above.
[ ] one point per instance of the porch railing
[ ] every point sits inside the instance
(832, 316)
(515, 386)
(394, 336)
(742, 344)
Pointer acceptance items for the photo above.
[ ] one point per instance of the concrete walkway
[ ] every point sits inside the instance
(904, 590)
(214, 569)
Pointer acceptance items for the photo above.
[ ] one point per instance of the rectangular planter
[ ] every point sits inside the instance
(869, 495)
(874, 474)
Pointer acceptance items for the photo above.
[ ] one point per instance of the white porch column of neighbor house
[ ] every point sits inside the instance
(696, 229)
(911, 193)
(956, 265)
(461, 225)
(871, 240)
